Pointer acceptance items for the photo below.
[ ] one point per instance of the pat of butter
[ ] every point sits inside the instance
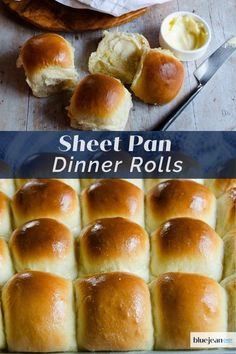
(186, 33)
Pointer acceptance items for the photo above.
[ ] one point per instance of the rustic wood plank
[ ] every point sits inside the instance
(214, 109)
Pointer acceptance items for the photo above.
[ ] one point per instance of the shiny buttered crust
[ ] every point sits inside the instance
(187, 245)
(112, 245)
(226, 212)
(47, 199)
(48, 61)
(2, 334)
(72, 182)
(230, 286)
(113, 313)
(7, 187)
(84, 183)
(220, 186)
(39, 313)
(6, 267)
(159, 78)
(230, 253)
(5, 216)
(118, 55)
(112, 198)
(150, 183)
(175, 198)
(100, 102)
(184, 303)
(44, 245)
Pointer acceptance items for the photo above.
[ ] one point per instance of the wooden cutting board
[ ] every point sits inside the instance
(50, 15)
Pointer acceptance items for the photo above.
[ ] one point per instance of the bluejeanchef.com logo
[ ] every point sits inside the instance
(213, 340)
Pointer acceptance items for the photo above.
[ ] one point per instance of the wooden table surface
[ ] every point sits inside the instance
(214, 109)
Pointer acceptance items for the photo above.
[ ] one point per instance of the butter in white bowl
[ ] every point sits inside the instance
(186, 35)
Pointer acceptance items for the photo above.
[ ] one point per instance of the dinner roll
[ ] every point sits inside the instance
(112, 245)
(118, 55)
(150, 183)
(45, 245)
(100, 102)
(226, 212)
(230, 253)
(5, 216)
(111, 198)
(230, 285)
(2, 334)
(175, 198)
(159, 78)
(184, 303)
(113, 313)
(220, 186)
(47, 199)
(84, 183)
(187, 245)
(6, 267)
(39, 313)
(48, 62)
(73, 183)
(7, 187)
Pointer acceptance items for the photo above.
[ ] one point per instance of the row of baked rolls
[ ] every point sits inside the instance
(118, 244)
(217, 186)
(111, 312)
(110, 198)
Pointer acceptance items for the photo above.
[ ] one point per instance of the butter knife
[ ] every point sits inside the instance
(203, 75)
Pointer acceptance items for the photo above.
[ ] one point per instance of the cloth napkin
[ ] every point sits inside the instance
(112, 7)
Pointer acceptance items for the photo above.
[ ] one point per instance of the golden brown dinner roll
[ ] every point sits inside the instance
(118, 55)
(45, 245)
(159, 78)
(184, 303)
(7, 187)
(175, 198)
(111, 198)
(150, 183)
(230, 286)
(113, 313)
(220, 186)
(187, 245)
(226, 212)
(5, 216)
(84, 183)
(47, 199)
(48, 62)
(39, 313)
(100, 102)
(6, 267)
(230, 253)
(73, 183)
(112, 245)
(2, 334)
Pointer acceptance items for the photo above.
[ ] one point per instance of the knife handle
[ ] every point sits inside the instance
(166, 123)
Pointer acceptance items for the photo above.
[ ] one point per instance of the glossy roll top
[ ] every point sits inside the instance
(100, 102)
(179, 198)
(46, 199)
(159, 78)
(114, 313)
(187, 245)
(45, 50)
(185, 303)
(39, 313)
(114, 244)
(112, 198)
(45, 245)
